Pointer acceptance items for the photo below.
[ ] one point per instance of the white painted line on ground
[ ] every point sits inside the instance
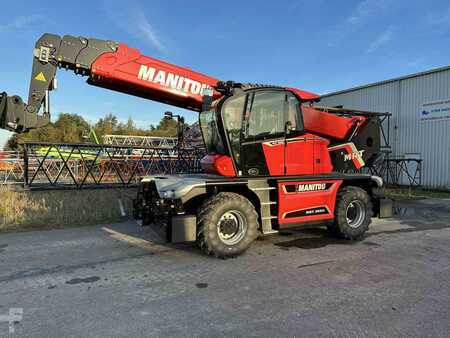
(135, 241)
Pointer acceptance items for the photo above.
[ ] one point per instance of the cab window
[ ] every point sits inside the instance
(210, 132)
(294, 114)
(265, 115)
(232, 110)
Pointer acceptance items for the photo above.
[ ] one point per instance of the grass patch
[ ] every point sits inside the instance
(415, 193)
(22, 209)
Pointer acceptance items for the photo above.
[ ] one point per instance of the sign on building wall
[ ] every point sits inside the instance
(435, 110)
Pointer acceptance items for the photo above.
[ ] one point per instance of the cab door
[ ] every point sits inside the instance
(263, 134)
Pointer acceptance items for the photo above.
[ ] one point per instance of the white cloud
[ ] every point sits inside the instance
(381, 40)
(362, 15)
(149, 33)
(135, 23)
(20, 22)
(365, 9)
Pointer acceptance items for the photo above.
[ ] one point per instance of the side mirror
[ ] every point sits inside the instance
(207, 98)
(287, 127)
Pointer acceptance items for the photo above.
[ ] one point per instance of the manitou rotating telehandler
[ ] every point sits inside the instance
(274, 160)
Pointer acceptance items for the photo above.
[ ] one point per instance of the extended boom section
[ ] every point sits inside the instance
(107, 64)
(50, 52)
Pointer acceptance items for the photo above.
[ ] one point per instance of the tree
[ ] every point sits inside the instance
(68, 128)
(106, 125)
(72, 128)
(166, 128)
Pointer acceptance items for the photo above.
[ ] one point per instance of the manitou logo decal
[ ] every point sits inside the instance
(171, 80)
(311, 187)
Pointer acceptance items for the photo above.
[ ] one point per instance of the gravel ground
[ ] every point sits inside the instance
(120, 280)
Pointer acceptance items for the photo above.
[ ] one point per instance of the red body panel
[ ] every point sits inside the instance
(304, 155)
(322, 160)
(300, 155)
(127, 70)
(219, 165)
(275, 156)
(304, 95)
(307, 201)
(330, 125)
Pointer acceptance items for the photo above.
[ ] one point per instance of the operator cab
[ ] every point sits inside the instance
(259, 132)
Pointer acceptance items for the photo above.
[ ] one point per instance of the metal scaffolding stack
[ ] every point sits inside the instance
(95, 165)
(140, 141)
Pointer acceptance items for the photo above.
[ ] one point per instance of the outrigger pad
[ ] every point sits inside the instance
(183, 228)
(385, 208)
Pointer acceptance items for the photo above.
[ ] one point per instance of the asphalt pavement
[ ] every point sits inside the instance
(121, 280)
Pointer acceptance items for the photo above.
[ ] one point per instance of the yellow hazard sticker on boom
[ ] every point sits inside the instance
(40, 77)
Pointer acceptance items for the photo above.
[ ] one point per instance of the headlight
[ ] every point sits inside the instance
(168, 194)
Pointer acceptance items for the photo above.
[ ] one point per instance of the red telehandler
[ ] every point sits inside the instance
(274, 159)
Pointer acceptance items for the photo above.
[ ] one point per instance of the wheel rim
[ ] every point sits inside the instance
(356, 213)
(231, 227)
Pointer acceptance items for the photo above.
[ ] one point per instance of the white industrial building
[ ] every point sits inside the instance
(420, 122)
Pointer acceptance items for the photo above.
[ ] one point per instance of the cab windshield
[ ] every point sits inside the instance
(210, 131)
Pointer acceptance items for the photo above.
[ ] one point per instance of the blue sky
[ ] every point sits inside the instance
(320, 46)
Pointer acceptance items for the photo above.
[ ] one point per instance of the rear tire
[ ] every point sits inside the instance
(227, 224)
(352, 214)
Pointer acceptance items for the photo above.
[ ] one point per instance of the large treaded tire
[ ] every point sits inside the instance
(341, 227)
(209, 216)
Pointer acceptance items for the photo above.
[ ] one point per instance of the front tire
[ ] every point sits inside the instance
(227, 224)
(353, 213)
